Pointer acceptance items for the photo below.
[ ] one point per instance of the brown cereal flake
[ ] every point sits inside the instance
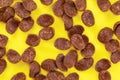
(105, 35)
(104, 75)
(46, 33)
(46, 2)
(2, 10)
(72, 76)
(84, 64)
(102, 64)
(34, 69)
(5, 3)
(80, 5)
(70, 9)
(19, 76)
(29, 5)
(33, 40)
(40, 77)
(115, 8)
(13, 56)
(88, 51)
(104, 5)
(29, 55)
(12, 25)
(21, 11)
(70, 59)
(26, 24)
(55, 75)
(115, 57)
(8, 13)
(77, 41)
(3, 65)
(2, 52)
(45, 20)
(116, 29)
(59, 62)
(68, 22)
(58, 8)
(62, 44)
(76, 29)
(88, 18)
(3, 40)
(49, 65)
(86, 39)
(112, 45)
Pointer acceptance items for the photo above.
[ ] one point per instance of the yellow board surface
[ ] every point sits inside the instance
(47, 50)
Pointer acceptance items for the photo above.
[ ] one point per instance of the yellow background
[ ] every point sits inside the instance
(46, 49)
